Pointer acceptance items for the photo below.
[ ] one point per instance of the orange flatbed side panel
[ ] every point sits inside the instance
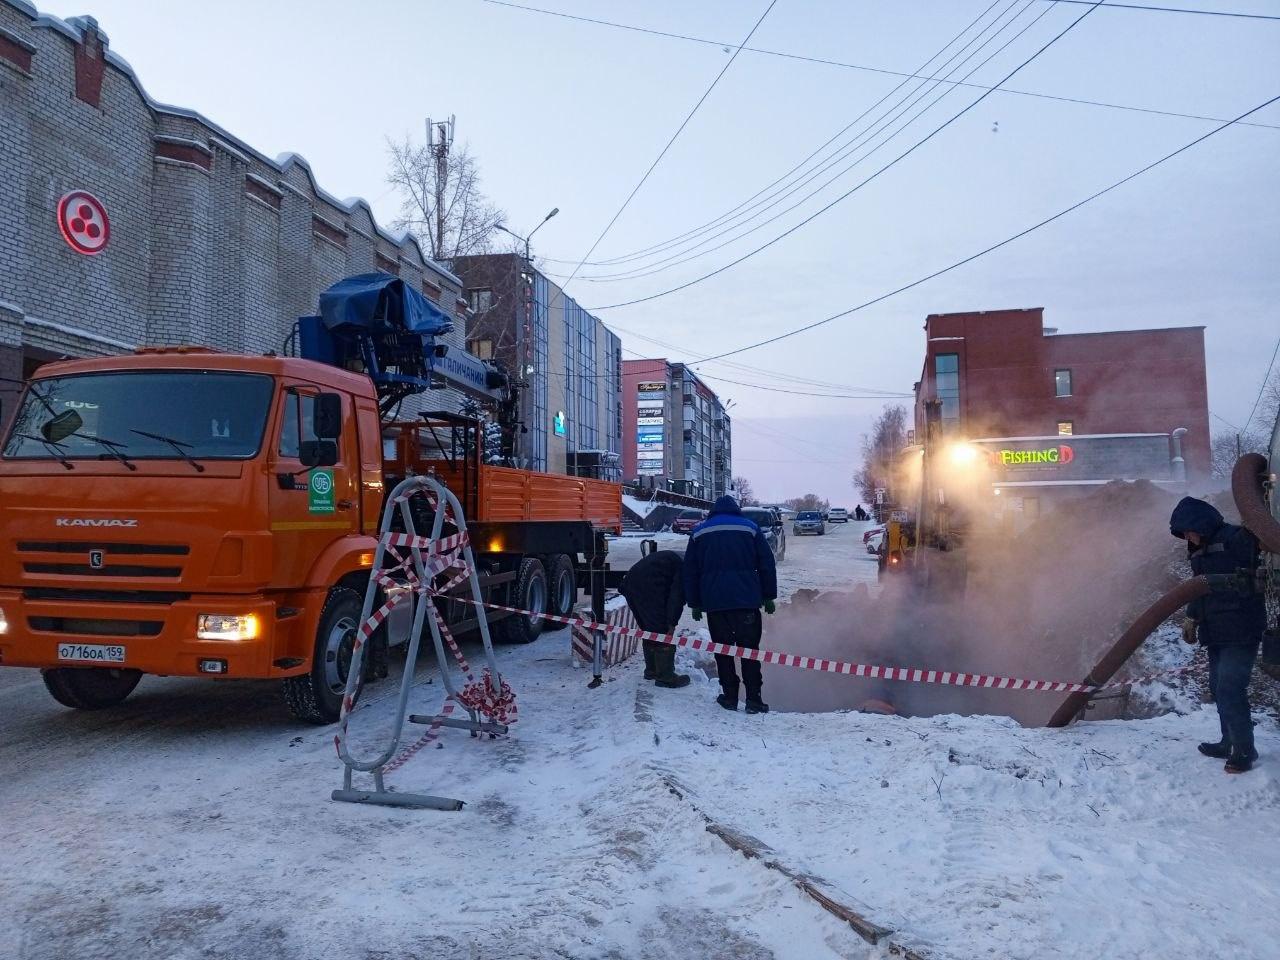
(507, 494)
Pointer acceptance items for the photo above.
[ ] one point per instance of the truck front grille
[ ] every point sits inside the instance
(115, 570)
(99, 559)
(96, 626)
(61, 594)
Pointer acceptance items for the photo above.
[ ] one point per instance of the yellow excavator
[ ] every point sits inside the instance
(936, 486)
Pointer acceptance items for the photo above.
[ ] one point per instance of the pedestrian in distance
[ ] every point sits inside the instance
(729, 574)
(1229, 623)
(654, 589)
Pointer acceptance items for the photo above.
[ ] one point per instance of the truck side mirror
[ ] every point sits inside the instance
(328, 416)
(58, 428)
(318, 453)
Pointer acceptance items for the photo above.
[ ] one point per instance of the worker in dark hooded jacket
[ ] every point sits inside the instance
(729, 573)
(1228, 622)
(654, 588)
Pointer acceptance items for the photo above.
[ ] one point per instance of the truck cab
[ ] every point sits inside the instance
(186, 513)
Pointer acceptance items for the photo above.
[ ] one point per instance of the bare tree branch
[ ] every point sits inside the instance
(468, 217)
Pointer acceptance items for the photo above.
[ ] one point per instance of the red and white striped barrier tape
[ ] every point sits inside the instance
(442, 555)
(822, 665)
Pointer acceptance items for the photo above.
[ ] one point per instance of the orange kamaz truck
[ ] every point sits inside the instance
(184, 512)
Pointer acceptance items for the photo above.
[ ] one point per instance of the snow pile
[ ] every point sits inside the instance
(641, 508)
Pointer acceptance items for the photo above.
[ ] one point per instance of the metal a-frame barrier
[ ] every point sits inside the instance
(413, 581)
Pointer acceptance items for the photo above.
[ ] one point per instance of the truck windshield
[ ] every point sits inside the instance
(209, 415)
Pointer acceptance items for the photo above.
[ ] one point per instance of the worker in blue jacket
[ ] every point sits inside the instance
(1229, 622)
(729, 573)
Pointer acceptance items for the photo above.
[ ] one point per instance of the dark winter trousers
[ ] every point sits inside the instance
(1230, 666)
(738, 628)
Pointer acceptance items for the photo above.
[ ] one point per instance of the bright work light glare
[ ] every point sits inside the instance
(962, 454)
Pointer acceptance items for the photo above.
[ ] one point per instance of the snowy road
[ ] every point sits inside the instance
(194, 822)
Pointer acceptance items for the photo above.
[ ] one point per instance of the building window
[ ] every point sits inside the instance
(1062, 383)
(946, 382)
(481, 348)
(481, 300)
(1065, 428)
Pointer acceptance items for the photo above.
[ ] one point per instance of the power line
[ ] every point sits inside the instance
(1262, 389)
(805, 393)
(1226, 422)
(676, 260)
(641, 254)
(806, 381)
(706, 93)
(1204, 13)
(848, 193)
(706, 41)
(995, 246)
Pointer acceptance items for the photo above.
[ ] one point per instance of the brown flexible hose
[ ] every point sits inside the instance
(1130, 641)
(1246, 489)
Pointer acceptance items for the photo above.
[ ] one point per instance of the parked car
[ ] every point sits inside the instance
(871, 532)
(838, 515)
(808, 521)
(874, 540)
(686, 520)
(770, 523)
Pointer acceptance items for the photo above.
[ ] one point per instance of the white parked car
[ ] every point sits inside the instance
(874, 540)
(838, 515)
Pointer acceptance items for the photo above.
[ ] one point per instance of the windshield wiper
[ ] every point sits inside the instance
(179, 447)
(112, 447)
(54, 448)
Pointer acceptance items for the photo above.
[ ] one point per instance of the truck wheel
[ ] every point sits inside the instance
(528, 592)
(563, 585)
(90, 688)
(316, 696)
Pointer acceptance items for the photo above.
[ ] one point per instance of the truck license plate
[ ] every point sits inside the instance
(91, 652)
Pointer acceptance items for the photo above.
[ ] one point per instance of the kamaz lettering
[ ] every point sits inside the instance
(92, 522)
(1020, 458)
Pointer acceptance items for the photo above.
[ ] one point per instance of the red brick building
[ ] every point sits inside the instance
(1003, 374)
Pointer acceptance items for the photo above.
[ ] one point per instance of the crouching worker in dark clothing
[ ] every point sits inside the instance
(654, 589)
(729, 573)
(1228, 622)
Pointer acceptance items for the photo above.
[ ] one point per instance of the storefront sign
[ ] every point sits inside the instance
(83, 221)
(648, 421)
(652, 386)
(1029, 458)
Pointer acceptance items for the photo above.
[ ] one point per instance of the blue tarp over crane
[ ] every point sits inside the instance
(377, 323)
(380, 302)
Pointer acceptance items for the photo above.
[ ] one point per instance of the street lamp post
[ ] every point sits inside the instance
(526, 362)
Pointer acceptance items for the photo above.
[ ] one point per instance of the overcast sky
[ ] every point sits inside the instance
(569, 114)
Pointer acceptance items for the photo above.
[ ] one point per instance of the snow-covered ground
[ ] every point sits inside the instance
(195, 822)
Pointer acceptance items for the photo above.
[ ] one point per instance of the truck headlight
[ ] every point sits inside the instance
(219, 626)
(4, 624)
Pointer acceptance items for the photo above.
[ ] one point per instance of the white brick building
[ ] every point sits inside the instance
(210, 243)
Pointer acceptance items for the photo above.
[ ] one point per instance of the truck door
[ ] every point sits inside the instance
(309, 508)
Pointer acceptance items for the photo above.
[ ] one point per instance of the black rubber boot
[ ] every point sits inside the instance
(664, 665)
(725, 702)
(757, 706)
(1219, 751)
(651, 671)
(1240, 762)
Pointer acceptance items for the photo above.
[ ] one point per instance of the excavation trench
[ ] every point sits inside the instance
(1072, 598)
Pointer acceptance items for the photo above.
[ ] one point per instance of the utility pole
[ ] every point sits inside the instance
(439, 141)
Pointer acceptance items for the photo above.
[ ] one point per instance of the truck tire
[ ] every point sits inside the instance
(316, 696)
(89, 688)
(528, 592)
(562, 585)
